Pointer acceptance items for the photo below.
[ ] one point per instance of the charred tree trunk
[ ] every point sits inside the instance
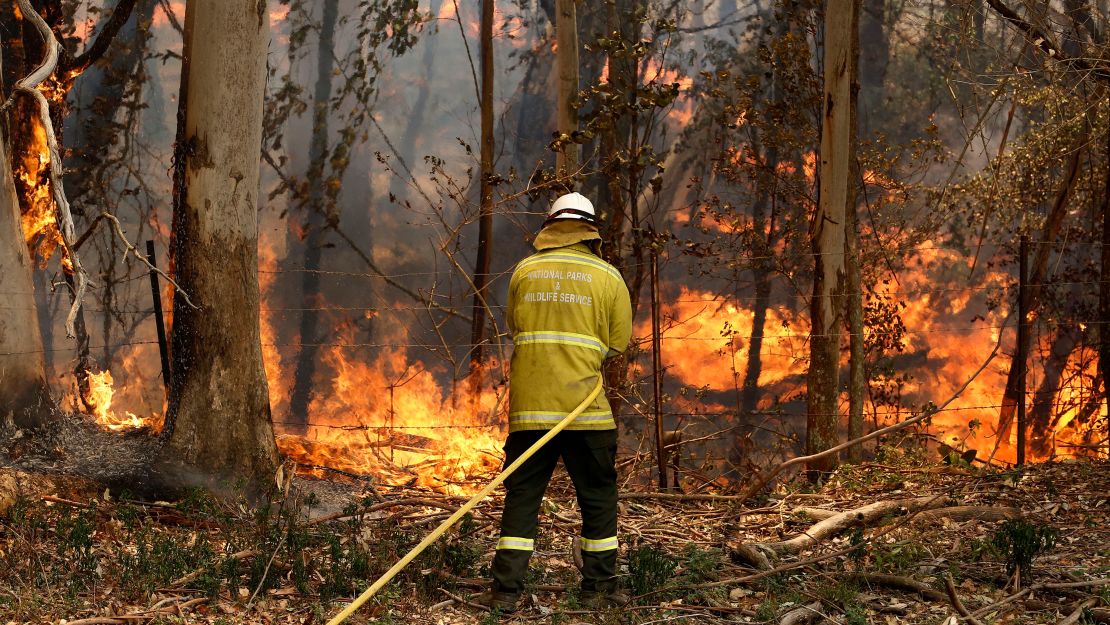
(857, 376)
(1041, 417)
(318, 214)
(1037, 275)
(218, 425)
(828, 232)
(485, 220)
(24, 395)
(761, 277)
(1104, 287)
(566, 31)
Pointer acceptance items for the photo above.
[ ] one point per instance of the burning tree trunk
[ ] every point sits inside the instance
(1104, 287)
(838, 132)
(485, 221)
(219, 416)
(1037, 275)
(23, 390)
(318, 213)
(566, 31)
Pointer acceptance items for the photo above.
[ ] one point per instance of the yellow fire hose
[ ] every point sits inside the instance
(467, 507)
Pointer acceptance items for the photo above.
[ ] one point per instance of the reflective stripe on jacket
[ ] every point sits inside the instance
(568, 310)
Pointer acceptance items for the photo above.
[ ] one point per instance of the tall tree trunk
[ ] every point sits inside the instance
(763, 224)
(874, 59)
(566, 32)
(317, 214)
(613, 184)
(1104, 287)
(24, 395)
(417, 118)
(857, 377)
(1037, 275)
(485, 220)
(218, 425)
(838, 131)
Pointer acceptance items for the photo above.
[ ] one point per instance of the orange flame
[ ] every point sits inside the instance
(99, 398)
(39, 222)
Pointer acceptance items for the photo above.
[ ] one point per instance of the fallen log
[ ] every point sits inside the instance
(971, 513)
(835, 525)
(897, 582)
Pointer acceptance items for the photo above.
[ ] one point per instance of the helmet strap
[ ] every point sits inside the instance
(588, 217)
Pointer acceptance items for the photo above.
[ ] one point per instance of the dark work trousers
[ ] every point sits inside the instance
(589, 457)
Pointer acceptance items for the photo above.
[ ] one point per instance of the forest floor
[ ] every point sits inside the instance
(926, 541)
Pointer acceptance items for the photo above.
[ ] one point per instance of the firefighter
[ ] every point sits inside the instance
(568, 311)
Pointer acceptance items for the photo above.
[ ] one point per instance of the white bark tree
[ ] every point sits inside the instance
(218, 426)
(837, 192)
(23, 389)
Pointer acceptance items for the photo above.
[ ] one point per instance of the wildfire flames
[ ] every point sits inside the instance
(99, 398)
(387, 415)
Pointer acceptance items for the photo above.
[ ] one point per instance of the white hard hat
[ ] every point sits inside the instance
(572, 206)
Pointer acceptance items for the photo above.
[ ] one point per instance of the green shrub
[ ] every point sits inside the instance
(1018, 542)
(649, 569)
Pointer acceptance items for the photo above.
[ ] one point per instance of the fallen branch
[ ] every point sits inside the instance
(1078, 612)
(972, 513)
(682, 496)
(464, 601)
(408, 501)
(29, 85)
(138, 616)
(954, 597)
(898, 582)
(239, 555)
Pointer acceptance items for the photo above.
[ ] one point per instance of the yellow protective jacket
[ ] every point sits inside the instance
(568, 310)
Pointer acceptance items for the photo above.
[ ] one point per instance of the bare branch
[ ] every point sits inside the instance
(134, 251)
(29, 85)
(1044, 43)
(99, 46)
